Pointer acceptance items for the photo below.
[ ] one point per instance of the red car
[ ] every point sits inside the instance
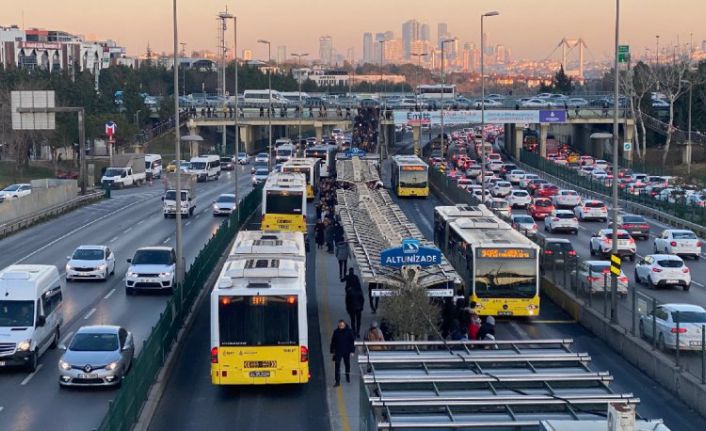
(546, 191)
(533, 185)
(540, 208)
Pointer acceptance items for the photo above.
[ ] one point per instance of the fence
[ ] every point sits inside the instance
(124, 410)
(677, 208)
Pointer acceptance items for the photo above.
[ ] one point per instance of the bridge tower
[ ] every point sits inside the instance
(567, 45)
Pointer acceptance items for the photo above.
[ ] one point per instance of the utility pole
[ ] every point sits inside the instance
(177, 214)
(616, 168)
(236, 117)
(301, 107)
(183, 75)
(224, 17)
(482, 101)
(443, 90)
(269, 95)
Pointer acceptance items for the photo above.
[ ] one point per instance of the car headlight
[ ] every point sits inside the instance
(102, 267)
(68, 267)
(64, 365)
(131, 274)
(24, 346)
(112, 366)
(215, 207)
(165, 274)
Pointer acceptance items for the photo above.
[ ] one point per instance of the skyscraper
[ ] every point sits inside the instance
(368, 47)
(326, 49)
(379, 37)
(442, 29)
(350, 56)
(410, 33)
(281, 54)
(424, 32)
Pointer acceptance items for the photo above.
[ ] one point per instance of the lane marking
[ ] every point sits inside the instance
(30, 375)
(112, 291)
(113, 239)
(1, 409)
(697, 283)
(127, 230)
(140, 222)
(553, 322)
(187, 223)
(67, 337)
(166, 240)
(90, 313)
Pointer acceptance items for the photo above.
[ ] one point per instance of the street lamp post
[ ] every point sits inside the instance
(616, 104)
(419, 62)
(443, 90)
(688, 138)
(183, 75)
(179, 267)
(269, 95)
(301, 108)
(482, 101)
(236, 117)
(380, 111)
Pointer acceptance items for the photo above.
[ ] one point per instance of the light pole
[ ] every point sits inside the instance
(183, 75)
(688, 139)
(301, 108)
(419, 62)
(236, 117)
(269, 96)
(616, 105)
(137, 118)
(482, 101)
(380, 111)
(443, 90)
(179, 267)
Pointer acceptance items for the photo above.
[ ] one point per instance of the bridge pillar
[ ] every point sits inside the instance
(417, 137)
(581, 137)
(629, 137)
(319, 130)
(390, 136)
(517, 141)
(543, 130)
(193, 144)
(246, 138)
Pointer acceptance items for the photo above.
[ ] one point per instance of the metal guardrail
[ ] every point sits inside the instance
(30, 219)
(125, 408)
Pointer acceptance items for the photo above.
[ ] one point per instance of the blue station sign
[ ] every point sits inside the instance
(410, 252)
(354, 152)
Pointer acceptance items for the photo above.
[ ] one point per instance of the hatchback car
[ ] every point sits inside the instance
(524, 223)
(664, 320)
(561, 220)
(227, 163)
(636, 225)
(663, 270)
(260, 176)
(519, 199)
(602, 242)
(502, 189)
(594, 277)
(540, 208)
(678, 241)
(151, 268)
(526, 178)
(262, 158)
(224, 205)
(15, 191)
(515, 176)
(566, 199)
(499, 206)
(556, 252)
(98, 355)
(592, 210)
(90, 262)
(546, 190)
(243, 158)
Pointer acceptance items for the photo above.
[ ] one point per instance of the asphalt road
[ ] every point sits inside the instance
(131, 219)
(191, 403)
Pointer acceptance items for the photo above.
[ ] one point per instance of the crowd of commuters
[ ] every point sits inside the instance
(462, 322)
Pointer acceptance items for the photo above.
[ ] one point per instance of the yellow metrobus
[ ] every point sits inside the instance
(410, 176)
(327, 155)
(311, 170)
(258, 312)
(499, 266)
(284, 202)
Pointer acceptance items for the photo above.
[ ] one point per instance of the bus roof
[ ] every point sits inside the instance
(489, 231)
(409, 160)
(453, 212)
(262, 276)
(260, 243)
(285, 181)
(300, 161)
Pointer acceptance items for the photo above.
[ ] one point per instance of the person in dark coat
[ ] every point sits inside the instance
(342, 252)
(487, 328)
(355, 302)
(328, 236)
(319, 234)
(342, 346)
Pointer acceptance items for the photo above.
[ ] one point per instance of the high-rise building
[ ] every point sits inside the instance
(326, 50)
(281, 54)
(410, 33)
(247, 54)
(350, 55)
(703, 45)
(379, 37)
(424, 32)
(442, 29)
(368, 47)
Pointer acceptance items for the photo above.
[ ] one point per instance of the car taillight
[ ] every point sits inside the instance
(673, 243)
(214, 355)
(698, 243)
(656, 270)
(685, 270)
(623, 279)
(606, 240)
(303, 354)
(555, 218)
(571, 253)
(680, 330)
(592, 279)
(548, 252)
(631, 241)
(534, 226)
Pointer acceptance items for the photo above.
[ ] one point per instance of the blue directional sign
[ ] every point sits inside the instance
(410, 252)
(354, 152)
(552, 116)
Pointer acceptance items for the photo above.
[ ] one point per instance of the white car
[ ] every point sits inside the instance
(536, 103)
(477, 192)
(524, 223)
(586, 171)
(594, 277)
(592, 210)
(574, 102)
(262, 158)
(601, 164)
(519, 199)
(663, 270)
(678, 241)
(90, 262)
(15, 191)
(225, 204)
(691, 319)
(524, 181)
(151, 268)
(260, 176)
(599, 174)
(473, 170)
(515, 175)
(566, 199)
(561, 220)
(502, 189)
(602, 244)
(499, 206)
(495, 166)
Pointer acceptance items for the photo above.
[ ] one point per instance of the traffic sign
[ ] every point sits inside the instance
(623, 53)
(615, 263)
(110, 129)
(627, 146)
(410, 252)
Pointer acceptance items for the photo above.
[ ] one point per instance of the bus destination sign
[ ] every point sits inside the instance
(505, 253)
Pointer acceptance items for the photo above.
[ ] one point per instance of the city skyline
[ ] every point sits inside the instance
(198, 24)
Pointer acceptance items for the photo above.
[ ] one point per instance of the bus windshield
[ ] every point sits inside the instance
(258, 321)
(505, 278)
(278, 202)
(413, 179)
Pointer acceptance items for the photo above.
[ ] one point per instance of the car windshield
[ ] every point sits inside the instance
(261, 155)
(16, 313)
(226, 199)
(113, 172)
(565, 215)
(569, 193)
(520, 193)
(88, 254)
(559, 246)
(11, 188)
(692, 317)
(683, 235)
(226, 159)
(523, 219)
(89, 342)
(599, 267)
(152, 257)
(543, 203)
(171, 195)
(633, 219)
(262, 172)
(198, 165)
(609, 235)
(241, 155)
(670, 263)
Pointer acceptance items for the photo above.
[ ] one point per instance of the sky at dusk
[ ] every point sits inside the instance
(531, 28)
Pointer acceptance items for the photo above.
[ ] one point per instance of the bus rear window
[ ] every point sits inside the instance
(258, 321)
(283, 202)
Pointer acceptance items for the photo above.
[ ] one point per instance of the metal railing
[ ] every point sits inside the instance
(125, 408)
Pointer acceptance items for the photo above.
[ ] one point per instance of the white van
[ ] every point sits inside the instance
(205, 167)
(262, 98)
(282, 141)
(153, 166)
(30, 313)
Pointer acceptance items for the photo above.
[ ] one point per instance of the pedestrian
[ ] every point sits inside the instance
(474, 326)
(342, 346)
(458, 332)
(355, 302)
(487, 328)
(342, 252)
(328, 235)
(374, 335)
(374, 300)
(319, 234)
(338, 233)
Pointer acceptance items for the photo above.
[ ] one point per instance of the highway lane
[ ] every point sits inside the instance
(553, 322)
(35, 401)
(191, 402)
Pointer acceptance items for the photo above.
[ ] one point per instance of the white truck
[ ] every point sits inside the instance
(126, 170)
(188, 195)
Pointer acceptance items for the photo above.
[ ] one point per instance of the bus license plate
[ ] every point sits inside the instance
(259, 374)
(504, 313)
(260, 364)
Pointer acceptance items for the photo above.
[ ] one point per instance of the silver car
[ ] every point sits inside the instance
(691, 318)
(224, 205)
(90, 262)
(98, 355)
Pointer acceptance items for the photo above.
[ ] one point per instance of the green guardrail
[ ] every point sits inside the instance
(678, 208)
(124, 410)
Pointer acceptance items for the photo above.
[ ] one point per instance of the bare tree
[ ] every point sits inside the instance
(410, 314)
(637, 84)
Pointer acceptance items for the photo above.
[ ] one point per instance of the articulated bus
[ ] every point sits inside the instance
(410, 176)
(327, 154)
(284, 202)
(310, 169)
(258, 312)
(499, 266)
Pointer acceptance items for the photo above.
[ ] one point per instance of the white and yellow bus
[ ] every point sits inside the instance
(327, 155)
(258, 312)
(284, 202)
(311, 170)
(410, 176)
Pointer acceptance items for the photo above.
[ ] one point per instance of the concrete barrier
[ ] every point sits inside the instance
(635, 350)
(46, 193)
